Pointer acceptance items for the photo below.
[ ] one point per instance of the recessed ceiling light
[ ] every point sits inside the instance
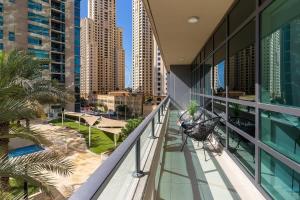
(193, 19)
(181, 59)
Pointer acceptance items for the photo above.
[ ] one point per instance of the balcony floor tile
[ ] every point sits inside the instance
(186, 175)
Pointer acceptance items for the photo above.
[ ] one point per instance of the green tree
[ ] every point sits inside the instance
(129, 127)
(23, 92)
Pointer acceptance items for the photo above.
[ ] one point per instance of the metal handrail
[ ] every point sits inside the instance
(96, 183)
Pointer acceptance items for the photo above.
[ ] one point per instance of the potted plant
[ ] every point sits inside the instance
(192, 108)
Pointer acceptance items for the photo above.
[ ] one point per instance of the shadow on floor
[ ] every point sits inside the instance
(181, 173)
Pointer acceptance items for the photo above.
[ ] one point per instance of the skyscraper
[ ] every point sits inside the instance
(100, 39)
(44, 29)
(142, 50)
(271, 57)
(119, 73)
(159, 73)
(89, 63)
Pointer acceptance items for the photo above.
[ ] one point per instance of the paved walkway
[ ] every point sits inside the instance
(67, 141)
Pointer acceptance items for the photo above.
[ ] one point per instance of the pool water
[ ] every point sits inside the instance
(25, 150)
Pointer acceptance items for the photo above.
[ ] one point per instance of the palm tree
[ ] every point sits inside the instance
(35, 168)
(23, 91)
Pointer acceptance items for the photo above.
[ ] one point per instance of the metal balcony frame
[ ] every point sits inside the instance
(97, 182)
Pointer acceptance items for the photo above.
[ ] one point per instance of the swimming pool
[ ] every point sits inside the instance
(25, 150)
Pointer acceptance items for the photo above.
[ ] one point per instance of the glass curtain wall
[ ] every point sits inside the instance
(248, 72)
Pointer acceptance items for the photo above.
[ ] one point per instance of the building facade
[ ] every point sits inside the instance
(261, 105)
(119, 74)
(113, 100)
(46, 30)
(159, 77)
(142, 50)
(103, 62)
(89, 63)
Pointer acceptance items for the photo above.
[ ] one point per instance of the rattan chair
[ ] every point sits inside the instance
(201, 131)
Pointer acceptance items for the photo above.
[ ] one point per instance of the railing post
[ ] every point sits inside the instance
(152, 129)
(138, 172)
(158, 115)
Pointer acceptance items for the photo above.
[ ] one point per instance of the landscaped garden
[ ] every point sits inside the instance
(100, 141)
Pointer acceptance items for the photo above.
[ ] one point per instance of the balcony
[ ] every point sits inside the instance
(58, 6)
(150, 165)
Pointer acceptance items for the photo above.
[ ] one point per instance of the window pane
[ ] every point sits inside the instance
(280, 181)
(219, 108)
(197, 73)
(202, 55)
(208, 104)
(208, 76)
(280, 57)
(241, 70)
(240, 12)
(242, 117)
(243, 150)
(201, 79)
(220, 34)
(281, 132)
(219, 73)
(209, 47)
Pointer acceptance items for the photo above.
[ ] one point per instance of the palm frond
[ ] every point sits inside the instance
(8, 196)
(24, 133)
(14, 109)
(35, 168)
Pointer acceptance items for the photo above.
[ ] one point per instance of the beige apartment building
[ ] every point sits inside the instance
(133, 102)
(88, 49)
(142, 50)
(149, 73)
(49, 30)
(100, 41)
(159, 74)
(120, 60)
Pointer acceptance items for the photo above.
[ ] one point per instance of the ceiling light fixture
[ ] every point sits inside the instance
(193, 20)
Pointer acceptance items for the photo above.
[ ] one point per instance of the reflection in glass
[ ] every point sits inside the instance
(208, 47)
(219, 109)
(197, 73)
(240, 12)
(193, 82)
(242, 117)
(220, 34)
(243, 150)
(208, 77)
(280, 181)
(219, 72)
(208, 104)
(280, 53)
(201, 79)
(219, 81)
(281, 132)
(241, 72)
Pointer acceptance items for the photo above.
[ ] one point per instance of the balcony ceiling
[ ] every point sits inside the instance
(178, 40)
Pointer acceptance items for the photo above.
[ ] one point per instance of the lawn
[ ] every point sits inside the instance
(100, 141)
(17, 187)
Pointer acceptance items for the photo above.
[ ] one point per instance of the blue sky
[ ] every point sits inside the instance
(124, 19)
(221, 74)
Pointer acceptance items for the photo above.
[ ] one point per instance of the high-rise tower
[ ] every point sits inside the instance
(142, 50)
(49, 30)
(119, 73)
(102, 46)
(159, 73)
